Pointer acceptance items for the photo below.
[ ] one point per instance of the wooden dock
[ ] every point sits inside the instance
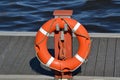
(17, 55)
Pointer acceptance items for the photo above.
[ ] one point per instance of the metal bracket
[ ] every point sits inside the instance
(63, 35)
(63, 13)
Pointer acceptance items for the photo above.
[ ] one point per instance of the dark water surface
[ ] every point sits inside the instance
(29, 15)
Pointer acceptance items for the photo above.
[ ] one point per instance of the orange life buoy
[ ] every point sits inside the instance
(70, 64)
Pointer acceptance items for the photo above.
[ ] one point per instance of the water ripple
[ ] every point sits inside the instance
(29, 15)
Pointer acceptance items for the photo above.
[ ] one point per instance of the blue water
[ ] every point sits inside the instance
(29, 15)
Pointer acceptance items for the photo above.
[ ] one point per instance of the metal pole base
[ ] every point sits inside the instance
(63, 79)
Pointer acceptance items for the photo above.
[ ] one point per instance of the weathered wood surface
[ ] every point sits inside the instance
(17, 56)
(43, 77)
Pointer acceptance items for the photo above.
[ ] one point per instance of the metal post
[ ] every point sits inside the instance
(66, 41)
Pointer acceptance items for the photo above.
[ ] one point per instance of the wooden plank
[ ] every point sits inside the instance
(109, 60)
(90, 67)
(19, 58)
(25, 52)
(75, 45)
(99, 68)
(11, 53)
(3, 45)
(4, 40)
(117, 59)
(50, 46)
(27, 68)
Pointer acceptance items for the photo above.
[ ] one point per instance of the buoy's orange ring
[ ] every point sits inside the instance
(68, 64)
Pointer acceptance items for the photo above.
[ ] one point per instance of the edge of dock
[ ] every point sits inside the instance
(13, 33)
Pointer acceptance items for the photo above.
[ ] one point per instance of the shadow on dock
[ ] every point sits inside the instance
(41, 69)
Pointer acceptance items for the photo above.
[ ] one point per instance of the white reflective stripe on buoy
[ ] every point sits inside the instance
(49, 61)
(79, 58)
(76, 27)
(43, 31)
